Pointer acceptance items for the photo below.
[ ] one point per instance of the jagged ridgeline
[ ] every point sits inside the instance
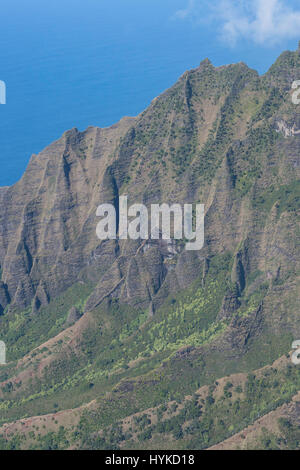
(125, 344)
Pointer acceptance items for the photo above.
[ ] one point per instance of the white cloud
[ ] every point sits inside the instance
(261, 21)
(186, 12)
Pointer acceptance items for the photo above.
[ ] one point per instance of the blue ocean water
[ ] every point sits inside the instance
(75, 63)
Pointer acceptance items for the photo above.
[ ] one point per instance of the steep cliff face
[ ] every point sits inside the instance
(224, 137)
(47, 231)
(213, 137)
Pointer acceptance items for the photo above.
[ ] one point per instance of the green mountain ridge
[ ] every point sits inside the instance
(97, 332)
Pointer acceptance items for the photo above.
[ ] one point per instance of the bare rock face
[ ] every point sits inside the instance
(230, 304)
(195, 143)
(73, 315)
(48, 218)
